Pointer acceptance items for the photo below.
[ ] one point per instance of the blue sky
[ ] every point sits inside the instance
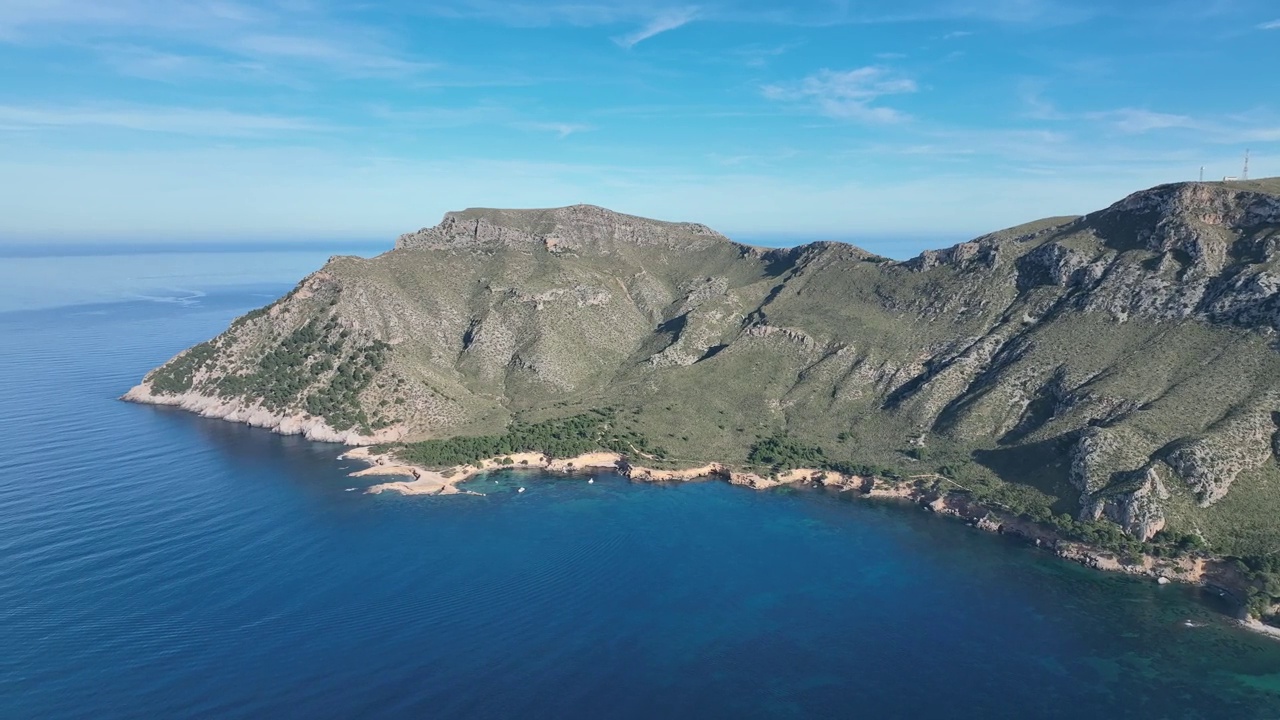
(920, 121)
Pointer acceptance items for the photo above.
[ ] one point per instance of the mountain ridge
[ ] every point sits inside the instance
(557, 229)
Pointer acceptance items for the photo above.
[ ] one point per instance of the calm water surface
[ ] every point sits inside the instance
(155, 564)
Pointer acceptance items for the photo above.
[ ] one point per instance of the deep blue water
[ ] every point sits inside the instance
(156, 564)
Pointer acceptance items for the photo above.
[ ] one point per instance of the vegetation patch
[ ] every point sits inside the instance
(282, 376)
(338, 400)
(1263, 571)
(177, 376)
(284, 371)
(568, 437)
(780, 453)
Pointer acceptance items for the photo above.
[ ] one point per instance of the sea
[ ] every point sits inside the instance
(155, 564)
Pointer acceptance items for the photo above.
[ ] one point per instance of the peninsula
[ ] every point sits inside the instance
(1109, 381)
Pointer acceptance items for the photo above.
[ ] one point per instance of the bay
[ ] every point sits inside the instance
(157, 564)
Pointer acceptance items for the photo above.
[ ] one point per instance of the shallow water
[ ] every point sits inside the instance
(156, 564)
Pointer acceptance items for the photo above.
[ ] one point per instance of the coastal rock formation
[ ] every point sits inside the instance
(255, 415)
(1120, 366)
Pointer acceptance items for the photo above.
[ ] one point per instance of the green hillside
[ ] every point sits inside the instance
(1119, 367)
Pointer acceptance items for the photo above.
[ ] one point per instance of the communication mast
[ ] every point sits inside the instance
(1245, 174)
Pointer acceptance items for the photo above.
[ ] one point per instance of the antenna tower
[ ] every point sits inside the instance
(1245, 174)
(1201, 173)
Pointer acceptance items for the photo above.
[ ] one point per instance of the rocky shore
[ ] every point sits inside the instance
(1209, 572)
(445, 482)
(254, 415)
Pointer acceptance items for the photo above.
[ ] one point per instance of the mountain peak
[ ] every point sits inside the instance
(1209, 224)
(564, 228)
(1199, 223)
(1240, 204)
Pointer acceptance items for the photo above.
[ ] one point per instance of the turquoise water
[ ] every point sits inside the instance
(156, 564)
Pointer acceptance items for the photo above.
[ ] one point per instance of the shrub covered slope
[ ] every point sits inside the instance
(1113, 373)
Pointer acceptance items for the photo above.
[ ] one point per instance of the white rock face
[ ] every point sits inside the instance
(312, 428)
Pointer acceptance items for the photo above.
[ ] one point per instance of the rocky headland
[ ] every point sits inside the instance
(1112, 379)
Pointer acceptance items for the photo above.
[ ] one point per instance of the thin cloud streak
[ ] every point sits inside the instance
(181, 121)
(561, 130)
(137, 37)
(1224, 130)
(847, 94)
(664, 22)
(348, 60)
(490, 115)
(171, 67)
(603, 12)
(1136, 121)
(758, 56)
(28, 19)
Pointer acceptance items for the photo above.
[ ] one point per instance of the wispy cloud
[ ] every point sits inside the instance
(756, 159)
(24, 19)
(1007, 144)
(1135, 121)
(1259, 127)
(847, 94)
(593, 13)
(202, 38)
(1261, 134)
(175, 120)
(519, 13)
(1128, 120)
(493, 115)
(173, 67)
(1272, 25)
(663, 22)
(757, 56)
(957, 34)
(561, 130)
(1035, 106)
(347, 59)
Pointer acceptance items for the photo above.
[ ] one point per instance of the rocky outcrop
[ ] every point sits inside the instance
(1137, 506)
(1099, 454)
(977, 254)
(1167, 253)
(645, 474)
(556, 230)
(1210, 464)
(312, 428)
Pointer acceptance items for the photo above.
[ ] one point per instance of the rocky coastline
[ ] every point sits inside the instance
(1210, 572)
(1121, 363)
(1203, 571)
(254, 415)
